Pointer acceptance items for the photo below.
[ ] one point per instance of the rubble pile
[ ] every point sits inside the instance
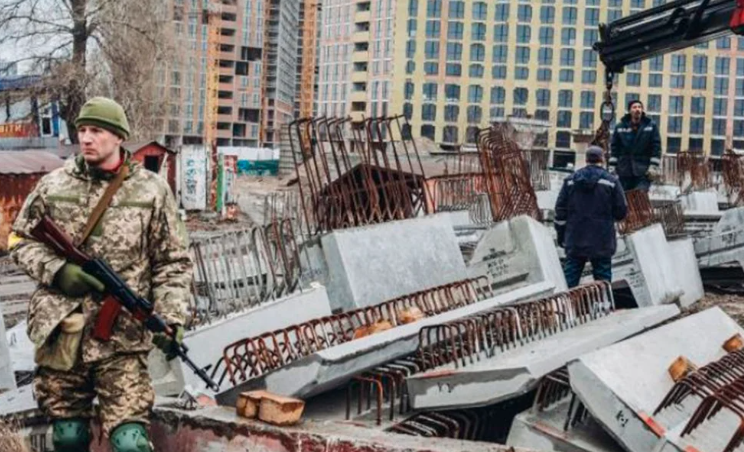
(389, 299)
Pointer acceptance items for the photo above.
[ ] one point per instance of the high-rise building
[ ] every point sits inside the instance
(256, 55)
(453, 66)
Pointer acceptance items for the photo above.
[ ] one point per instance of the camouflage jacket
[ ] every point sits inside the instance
(139, 235)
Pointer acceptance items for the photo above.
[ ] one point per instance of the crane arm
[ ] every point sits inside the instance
(673, 26)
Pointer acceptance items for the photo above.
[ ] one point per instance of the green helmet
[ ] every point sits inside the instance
(104, 113)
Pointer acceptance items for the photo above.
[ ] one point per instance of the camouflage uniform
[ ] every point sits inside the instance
(143, 240)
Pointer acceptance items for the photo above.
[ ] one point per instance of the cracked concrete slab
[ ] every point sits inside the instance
(514, 372)
(7, 376)
(334, 366)
(621, 385)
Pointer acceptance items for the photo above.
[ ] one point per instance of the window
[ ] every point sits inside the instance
(496, 112)
(720, 107)
(588, 99)
(428, 131)
(471, 134)
(498, 95)
(723, 43)
(450, 134)
(568, 57)
(455, 30)
(721, 86)
(543, 97)
(408, 90)
(547, 14)
(569, 15)
(591, 17)
(697, 126)
(434, 8)
(656, 64)
(413, 8)
(521, 73)
(563, 139)
(410, 67)
(638, 4)
(545, 56)
(431, 68)
(544, 75)
(700, 64)
(524, 13)
(674, 124)
(653, 103)
(589, 59)
(412, 27)
(478, 32)
(589, 77)
(699, 82)
(568, 37)
(524, 33)
(452, 92)
(410, 49)
(723, 65)
(676, 81)
(501, 12)
(563, 119)
(480, 11)
(697, 105)
(451, 113)
(565, 98)
(566, 75)
(476, 70)
(475, 94)
(501, 33)
(676, 105)
(523, 55)
(453, 70)
(717, 146)
(614, 14)
(740, 65)
(430, 91)
(454, 51)
(498, 72)
(433, 29)
(586, 120)
(456, 9)
(719, 127)
(678, 63)
(474, 114)
(500, 53)
(633, 79)
(590, 37)
(431, 50)
(674, 145)
(739, 107)
(521, 95)
(478, 52)
(546, 36)
(428, 112)
(655, 80)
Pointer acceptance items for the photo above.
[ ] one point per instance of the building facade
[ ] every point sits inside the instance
(453, 66)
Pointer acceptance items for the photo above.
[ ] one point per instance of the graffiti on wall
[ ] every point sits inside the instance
(194, 164)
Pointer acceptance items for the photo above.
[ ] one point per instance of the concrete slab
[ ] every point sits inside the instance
(621, 385)
(517, 371)
(21, 348)
(543, 430)
(207, 342)
(700, 203)
(334, 366)
(518, 251)
(725, 244)
(7, 376)
(546, 199)
(687, 272)
(664, 192)
(351, 263)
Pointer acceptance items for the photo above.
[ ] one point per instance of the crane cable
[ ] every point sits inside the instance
(607, 112)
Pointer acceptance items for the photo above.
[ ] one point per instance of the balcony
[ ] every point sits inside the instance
(225, 117)
(227, 70)
(360, 55)
(362, 16)
(359, 76)
(359, 96)
(224, 133)
(361, 36)
(226, 86)
(227, 39)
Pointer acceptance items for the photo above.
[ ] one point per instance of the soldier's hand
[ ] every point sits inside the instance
(169, 344)
(653, 173)
(72, 281)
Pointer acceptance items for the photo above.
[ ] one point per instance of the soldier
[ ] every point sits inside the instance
(140, 236)
(635, 151)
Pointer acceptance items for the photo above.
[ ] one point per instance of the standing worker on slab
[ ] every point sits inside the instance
(114, 210)
(635, 151)
(590, 202)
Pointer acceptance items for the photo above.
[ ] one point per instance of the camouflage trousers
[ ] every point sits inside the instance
(121, 383)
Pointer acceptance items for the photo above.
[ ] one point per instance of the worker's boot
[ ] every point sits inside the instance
(130, 437)
(71, 435)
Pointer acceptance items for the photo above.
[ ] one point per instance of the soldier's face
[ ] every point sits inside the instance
(98, 146)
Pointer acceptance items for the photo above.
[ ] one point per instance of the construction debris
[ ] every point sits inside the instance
(269, 408)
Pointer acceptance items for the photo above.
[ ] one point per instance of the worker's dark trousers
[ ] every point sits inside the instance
(635, 183)
(574, 267)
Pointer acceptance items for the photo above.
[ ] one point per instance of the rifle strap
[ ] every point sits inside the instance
(103, 203)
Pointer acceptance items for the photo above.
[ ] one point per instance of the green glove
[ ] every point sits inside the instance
(72, 281)
(169, 344)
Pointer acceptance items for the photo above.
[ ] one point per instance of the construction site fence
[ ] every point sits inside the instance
(240, 269)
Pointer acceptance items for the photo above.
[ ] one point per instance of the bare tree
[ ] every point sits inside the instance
(88, 47)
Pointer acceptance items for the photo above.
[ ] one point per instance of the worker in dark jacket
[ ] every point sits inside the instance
(635, 151)
(590, 202)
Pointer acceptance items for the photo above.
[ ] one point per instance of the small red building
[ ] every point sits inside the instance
(156, 158)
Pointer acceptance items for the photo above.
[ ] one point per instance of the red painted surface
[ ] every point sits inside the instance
(155, 150)
(18, 130)
(15, 189)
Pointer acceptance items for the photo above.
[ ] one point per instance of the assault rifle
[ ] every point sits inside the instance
(118, 293)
